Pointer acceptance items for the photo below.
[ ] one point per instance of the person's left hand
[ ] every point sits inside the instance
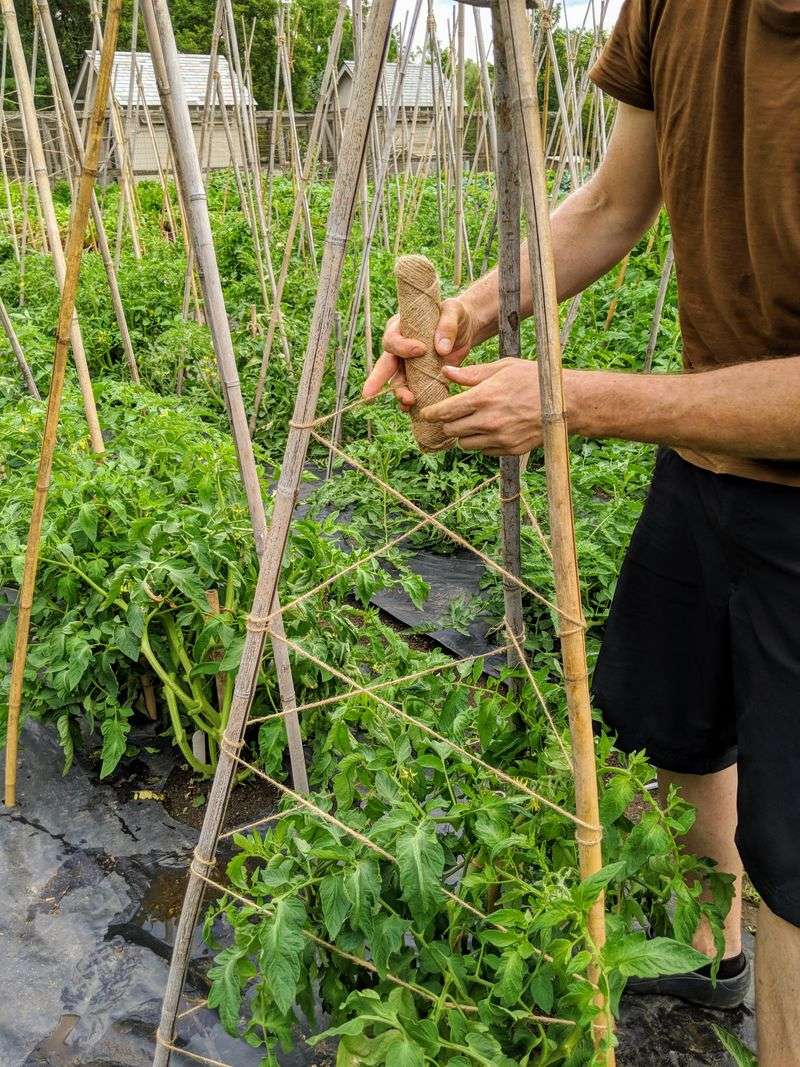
(499, 413)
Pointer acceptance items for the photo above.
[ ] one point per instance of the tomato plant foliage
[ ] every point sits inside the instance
(428, 911)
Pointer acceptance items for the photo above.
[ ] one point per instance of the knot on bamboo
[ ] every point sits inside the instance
(418, 301)
(547, 18)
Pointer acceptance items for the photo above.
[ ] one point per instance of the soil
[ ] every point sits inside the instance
(185, 796)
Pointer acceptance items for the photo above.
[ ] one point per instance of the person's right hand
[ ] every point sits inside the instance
(454, 337)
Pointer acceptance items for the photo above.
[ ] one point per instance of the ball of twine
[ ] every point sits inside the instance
(418, 300)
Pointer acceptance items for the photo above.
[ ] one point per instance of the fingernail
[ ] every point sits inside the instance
(444, 345)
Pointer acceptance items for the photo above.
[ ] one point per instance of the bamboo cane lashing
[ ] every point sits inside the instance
(418, 301)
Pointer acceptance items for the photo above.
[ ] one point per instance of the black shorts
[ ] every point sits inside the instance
(700, 664)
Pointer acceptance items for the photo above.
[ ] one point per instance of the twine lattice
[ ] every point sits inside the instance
(586, 833)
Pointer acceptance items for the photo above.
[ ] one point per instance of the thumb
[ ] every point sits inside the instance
(474, 374)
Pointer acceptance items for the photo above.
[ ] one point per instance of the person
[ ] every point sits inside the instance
(700, 663)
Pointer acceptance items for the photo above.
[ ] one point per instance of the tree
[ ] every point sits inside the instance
(310, 26)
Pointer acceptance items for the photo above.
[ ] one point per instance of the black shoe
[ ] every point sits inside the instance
(696, 987)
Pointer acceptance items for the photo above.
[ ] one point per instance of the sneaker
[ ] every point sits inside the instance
(728, 992)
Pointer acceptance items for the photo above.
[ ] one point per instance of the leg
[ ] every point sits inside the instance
(714, 797)
(777, 991)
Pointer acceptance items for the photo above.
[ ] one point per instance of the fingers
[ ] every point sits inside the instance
(384, 370)
(397, 345)
(474, 374)
(402, 393)
(455, 407)
(488, 444)
(447, 331)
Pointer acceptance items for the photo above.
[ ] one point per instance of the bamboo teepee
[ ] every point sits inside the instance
(522, 136)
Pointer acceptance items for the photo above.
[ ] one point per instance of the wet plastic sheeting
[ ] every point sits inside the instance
(91, 885)
(453, 578)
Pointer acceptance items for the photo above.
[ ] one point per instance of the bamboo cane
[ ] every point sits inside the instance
(206, 123)
(162, 178)
(340, 217)
(19, 355)
(508, 225)
(663, 285)
(80, 218)
(69, 162)
(459, 145)
(3, 128)
(522, 89)
(74, 135)
(409, 155)
(251, 165)
(294, 144)
(619, 281)
(190, 178)
(36, 150)
(126, 131)
(26, 185)
(328, 79)
(362, 280)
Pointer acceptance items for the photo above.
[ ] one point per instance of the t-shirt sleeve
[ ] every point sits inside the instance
(623, 69)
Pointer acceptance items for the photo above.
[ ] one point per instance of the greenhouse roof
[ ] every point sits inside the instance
(415, 73)
(194, 73)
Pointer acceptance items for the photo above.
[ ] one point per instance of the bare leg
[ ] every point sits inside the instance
(714, 797)
(777, 991)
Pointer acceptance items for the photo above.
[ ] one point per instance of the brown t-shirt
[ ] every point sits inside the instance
(723, 78)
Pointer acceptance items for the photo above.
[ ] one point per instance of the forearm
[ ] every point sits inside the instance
(589, 237)
(750, 409)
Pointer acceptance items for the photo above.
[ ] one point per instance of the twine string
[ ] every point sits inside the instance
(457, 538)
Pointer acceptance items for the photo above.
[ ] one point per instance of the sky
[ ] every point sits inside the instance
(443, 10)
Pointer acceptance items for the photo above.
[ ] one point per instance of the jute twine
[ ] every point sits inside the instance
(418, 300)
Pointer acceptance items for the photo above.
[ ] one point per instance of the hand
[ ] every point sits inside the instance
(453, 339)
(500, 411)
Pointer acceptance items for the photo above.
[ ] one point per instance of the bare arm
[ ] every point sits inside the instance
(592, 230)
(595, 227)
(747, 410)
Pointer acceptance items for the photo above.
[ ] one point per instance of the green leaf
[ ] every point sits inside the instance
(634, 955)
(420, 859)
(127, 642)
(687, 913)
(135, 618)
(336, 903)
(590, 888)
(617, 795)
(233, 653)
(282, 944)
(87, 521)
(230, 973)
(349, 1028)
(510, 976)
(65, 740)
(115, 729)
(364, 889)
(404, 1053)
(647, 839)
(736, 1049)
(385, 939)
(541, 988)
(80, 656)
